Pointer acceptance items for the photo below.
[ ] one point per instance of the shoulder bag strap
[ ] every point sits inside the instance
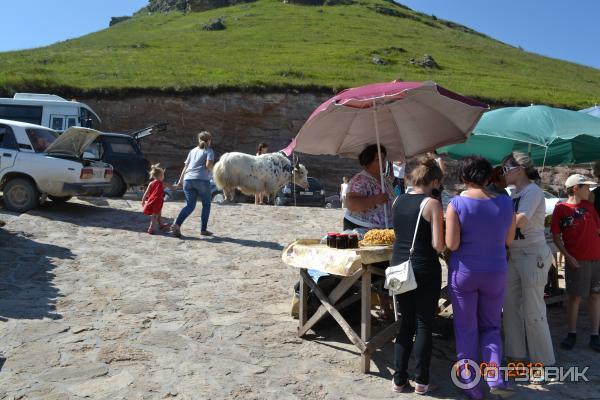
(396, 199)
(421, 207)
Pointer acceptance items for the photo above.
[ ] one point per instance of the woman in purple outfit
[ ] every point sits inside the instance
(479, 226)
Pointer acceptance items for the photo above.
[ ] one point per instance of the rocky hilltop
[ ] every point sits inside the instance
(189, 5)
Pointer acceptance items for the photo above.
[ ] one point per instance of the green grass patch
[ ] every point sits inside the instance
(269, 45)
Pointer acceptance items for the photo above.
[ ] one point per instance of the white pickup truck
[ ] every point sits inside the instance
(36, 162)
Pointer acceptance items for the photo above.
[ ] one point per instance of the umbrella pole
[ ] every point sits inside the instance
(380, 162)
(544, 163)
(293, 178)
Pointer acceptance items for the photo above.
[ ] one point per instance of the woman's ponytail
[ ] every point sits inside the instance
(204, 139)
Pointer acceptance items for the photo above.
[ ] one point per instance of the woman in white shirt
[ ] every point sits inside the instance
(527, 335)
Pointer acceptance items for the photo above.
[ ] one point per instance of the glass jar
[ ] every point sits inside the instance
(342, 241)
(331, 239)
(353, 241)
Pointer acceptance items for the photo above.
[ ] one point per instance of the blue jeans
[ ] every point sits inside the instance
(194, 188)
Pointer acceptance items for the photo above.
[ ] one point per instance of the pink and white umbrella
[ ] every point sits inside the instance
(408, 118)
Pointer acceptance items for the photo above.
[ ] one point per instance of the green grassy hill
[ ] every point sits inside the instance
(269, 45)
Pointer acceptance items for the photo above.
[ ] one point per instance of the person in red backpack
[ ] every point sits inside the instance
(576, 232)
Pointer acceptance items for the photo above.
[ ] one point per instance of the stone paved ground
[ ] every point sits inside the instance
(91, 306)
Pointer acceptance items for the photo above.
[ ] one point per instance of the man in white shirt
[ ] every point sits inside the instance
(344, 191)
(399, 169)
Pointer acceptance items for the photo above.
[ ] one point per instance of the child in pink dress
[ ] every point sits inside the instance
(153, 199)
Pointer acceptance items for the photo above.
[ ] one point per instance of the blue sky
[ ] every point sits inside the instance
(35, 23)
(555, 28)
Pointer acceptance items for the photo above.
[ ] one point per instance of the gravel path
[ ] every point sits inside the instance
(92, 306)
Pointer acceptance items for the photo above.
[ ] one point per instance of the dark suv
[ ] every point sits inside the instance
(313, 196)
(124, 153)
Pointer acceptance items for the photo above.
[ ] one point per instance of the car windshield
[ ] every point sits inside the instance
(314, 184)
(549, 195)
(40, 138)
(121, 145)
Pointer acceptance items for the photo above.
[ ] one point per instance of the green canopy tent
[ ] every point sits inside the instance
(552, 136)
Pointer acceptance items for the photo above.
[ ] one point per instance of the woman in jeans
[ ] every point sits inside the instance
(479, 226)
(418, 307)
(526, 331)
(196, 183)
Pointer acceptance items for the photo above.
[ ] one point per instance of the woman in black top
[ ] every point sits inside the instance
(418, 307)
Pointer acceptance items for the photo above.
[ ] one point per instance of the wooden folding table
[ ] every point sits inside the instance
(351, 266)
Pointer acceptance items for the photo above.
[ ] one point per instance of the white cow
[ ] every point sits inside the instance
(266, 173)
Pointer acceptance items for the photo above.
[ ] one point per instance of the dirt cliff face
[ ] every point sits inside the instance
(238, 122)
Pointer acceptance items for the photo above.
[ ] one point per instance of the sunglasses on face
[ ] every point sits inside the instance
(506, 169)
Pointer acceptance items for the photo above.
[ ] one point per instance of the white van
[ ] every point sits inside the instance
(47, 110)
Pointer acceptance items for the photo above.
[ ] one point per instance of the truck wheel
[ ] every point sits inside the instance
(278, 201)
(59, 199)
(117, 187)
(21, 195)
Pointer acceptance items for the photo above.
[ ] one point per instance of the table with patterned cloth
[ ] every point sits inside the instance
(351, 266)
